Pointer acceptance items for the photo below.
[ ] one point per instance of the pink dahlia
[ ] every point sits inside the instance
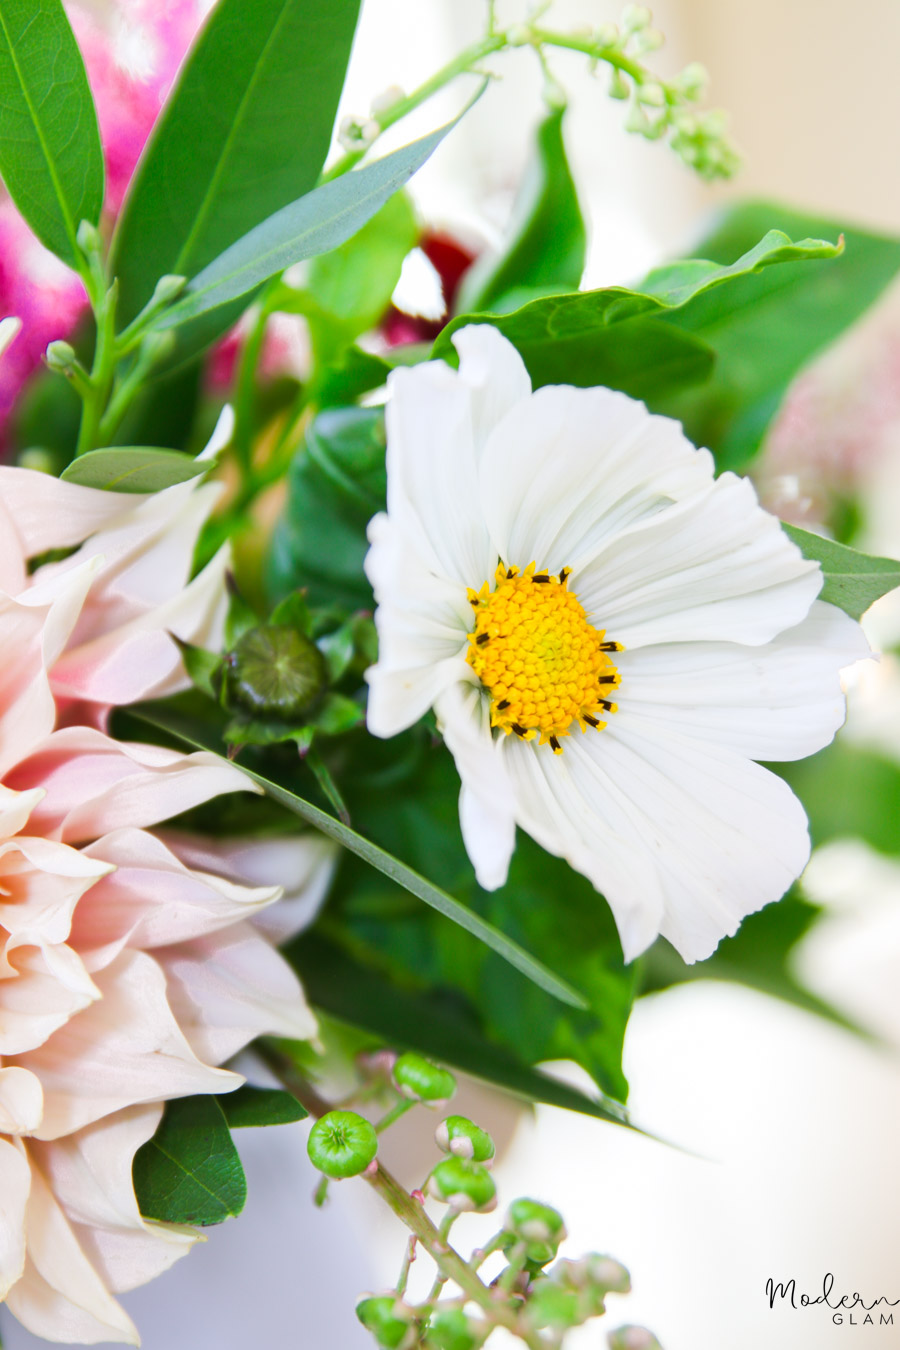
(131, 962)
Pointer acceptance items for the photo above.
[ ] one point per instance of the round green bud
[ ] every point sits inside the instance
(422, 1081)
(451, 1329)
(604, 1273)
(463, 1184)
(390, 1320)
(276, 672)
(539, 1226)
(342, 1144)
(459, 1136)
(632, 1338)
(549, 1305)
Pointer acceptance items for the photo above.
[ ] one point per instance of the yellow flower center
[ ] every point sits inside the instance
(533, 649)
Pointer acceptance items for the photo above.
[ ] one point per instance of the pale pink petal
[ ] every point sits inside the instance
(21, 1102)
(90, 1173)
(124, 1050)
(304, 865)
(41, 990)
(229, 988)
(96, 785)
(15, 1183)
(49, 513)
(41, 882)
(60, 1295)
(152, 899)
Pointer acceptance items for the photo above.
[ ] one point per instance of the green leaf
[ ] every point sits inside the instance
(162, 717)
(336, 483)
(765, 328)
(853, 580)
(315, 223)
(351, 374)
(50, 155)
(190, 1172)
(245, 132)
(204, 668)
(618, 337)
(439, 1024)
(547, 239)
(133, 470)
(354, 282)
(255, 1106)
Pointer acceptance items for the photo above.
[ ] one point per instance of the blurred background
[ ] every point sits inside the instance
(789, 1123)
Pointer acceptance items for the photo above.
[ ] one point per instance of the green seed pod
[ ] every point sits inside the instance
(539, 1226)
(459, 1136)
(549, 1305)
(632, 1338)
(276, 672)
(390, 1320)
(463, 1185)
(453, 1330)
(342, 1144)
(422, 1081)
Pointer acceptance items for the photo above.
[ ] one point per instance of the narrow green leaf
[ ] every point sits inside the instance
(245, 132)
(133, 470)
(190, 1172)
(255, 1106)
(853, 580)
(50, 155)
(618, 337)
(437, 1024)
(547, 237)
(315, 223)
(162, 717)
(354, 282)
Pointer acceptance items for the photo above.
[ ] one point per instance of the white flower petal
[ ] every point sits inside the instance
(717, 568)
(725, 835)
(21, 1106)
(569, 469)
(779, 701)
(486, 813)
(495, 375)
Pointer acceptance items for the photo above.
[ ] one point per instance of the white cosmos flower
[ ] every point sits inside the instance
(667, 607)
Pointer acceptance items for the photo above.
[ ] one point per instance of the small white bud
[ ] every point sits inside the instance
(462, 1147)
(60, 356)
(386, 99)
(606, 35)
(651, 94)
(357, 133)
(636, 17)
(519, 35)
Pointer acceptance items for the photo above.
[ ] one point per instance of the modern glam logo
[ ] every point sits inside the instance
(846, 1309)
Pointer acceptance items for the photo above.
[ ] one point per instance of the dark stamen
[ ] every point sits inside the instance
(607, 679)
(610, 647)
(541, 580)
(606, 705)
(592, 721)
(482, 638)
(520, 731)
(509, 574)
(554, 743)
(504, 703)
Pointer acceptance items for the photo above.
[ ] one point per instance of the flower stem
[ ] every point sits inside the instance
(96, 396)
(395, 1113)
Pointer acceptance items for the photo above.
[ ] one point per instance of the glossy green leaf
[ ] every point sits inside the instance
(336, 484)
(618, 337)
(439, 1024)
(315, 223)
(547, 238)
(133, 470)
(245, 132)
(353, 283)
(50, 155)
(255, 1106)
(190, 1172)
(765, 328)
(184, 730)
(853, 580)
(353, 373)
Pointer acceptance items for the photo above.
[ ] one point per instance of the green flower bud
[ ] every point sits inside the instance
(88, 239)
(60, 357)
(167, 289)
(390, 1320)
(459, 1136)
(635, 17)
(463, 1185)
(632, 1338)
(276, 672)
(453, 1330)
(342, 1144)
(539, 1226)
(549, 1305)
(422, 1081)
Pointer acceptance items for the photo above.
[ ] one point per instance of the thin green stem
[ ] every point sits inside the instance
(408, 1259)
(479, 1257)
(462, 64)
(612, 55)
(101, 376)
(395, 1113)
